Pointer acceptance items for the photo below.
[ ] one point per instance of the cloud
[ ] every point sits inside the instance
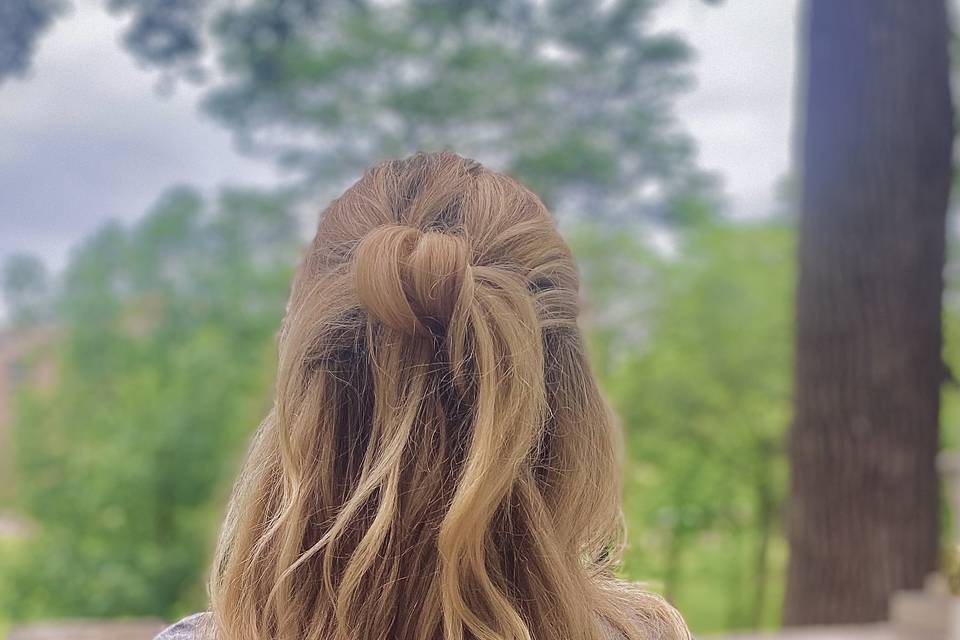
(741, 110)
(85, 138)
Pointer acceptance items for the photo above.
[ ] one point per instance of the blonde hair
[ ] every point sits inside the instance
(438, 462)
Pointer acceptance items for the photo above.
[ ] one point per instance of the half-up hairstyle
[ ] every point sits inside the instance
(438, 463)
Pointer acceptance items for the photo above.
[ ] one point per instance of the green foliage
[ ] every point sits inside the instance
(573, 98)
(950, 395)
(25, 289)
(163, 371)
(703, 391)
(165, 366)
(950, 409)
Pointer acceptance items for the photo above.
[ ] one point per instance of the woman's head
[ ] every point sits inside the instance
(438, 462)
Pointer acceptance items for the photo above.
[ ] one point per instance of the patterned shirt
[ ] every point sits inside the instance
(191, 628)
(186, 629)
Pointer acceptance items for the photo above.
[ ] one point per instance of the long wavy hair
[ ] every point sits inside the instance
(438, 462)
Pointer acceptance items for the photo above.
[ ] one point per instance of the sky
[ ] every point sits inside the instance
(741, 110)
(85, 137)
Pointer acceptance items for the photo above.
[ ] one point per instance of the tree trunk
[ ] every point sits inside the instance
(876, 164)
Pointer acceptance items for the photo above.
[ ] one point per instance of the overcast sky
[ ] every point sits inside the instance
(741, 111)
(85, 137)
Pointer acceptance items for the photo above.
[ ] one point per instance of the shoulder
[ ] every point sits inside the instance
(657, 619)
(646, 616)
(189, 628)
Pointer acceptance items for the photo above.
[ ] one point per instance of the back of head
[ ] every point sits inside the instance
(438, 462)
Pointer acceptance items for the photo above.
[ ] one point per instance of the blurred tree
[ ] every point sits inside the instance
(166, 33)
(26, 290)
(21, 24)
(877, 141)
(123, 455)
(573, 98)
(166, 365)
(703, 390)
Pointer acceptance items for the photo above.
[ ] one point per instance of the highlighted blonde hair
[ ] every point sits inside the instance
(438, 463)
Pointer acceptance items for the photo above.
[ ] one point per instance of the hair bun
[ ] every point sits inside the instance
(411, 280)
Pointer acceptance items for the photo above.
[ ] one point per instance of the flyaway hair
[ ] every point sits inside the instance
(438, 463)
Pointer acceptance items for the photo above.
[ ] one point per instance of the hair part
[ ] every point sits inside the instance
(438, 462)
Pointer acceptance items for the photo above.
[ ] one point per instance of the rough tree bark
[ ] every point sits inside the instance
(876, 165)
